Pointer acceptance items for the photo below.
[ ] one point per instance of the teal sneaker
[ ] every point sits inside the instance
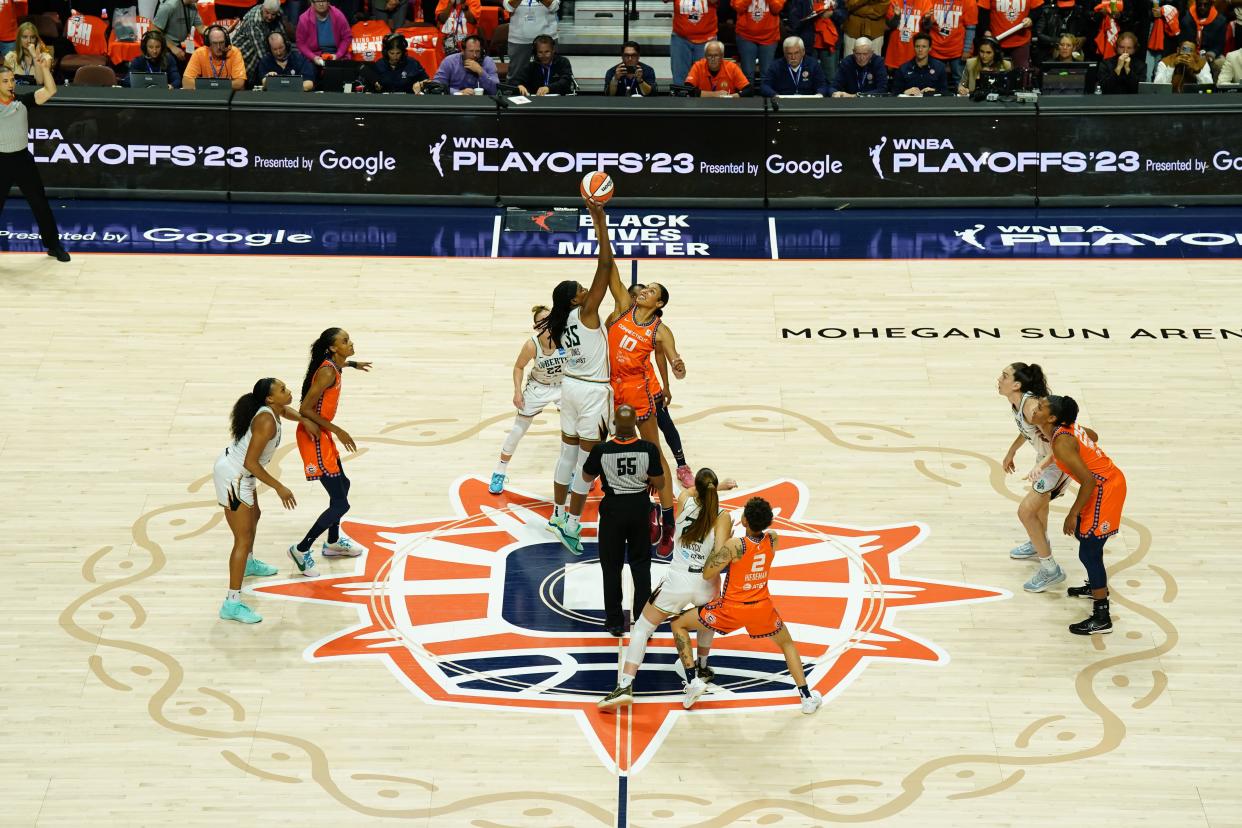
(1024, 552)
(498, 483)
(555, 523)
(570, 539)
(1042, 579)
(254, 566)
(237, 611)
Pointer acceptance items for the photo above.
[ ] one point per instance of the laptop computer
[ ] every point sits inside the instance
(213, 83)
(283, 83)
(148, 80)
(1146, 88)
(338, 73)
(1066, 78)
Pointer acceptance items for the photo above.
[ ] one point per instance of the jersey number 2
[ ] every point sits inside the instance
(759, 562)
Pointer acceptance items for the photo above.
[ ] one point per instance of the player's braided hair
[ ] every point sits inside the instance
(562, 303)
(319, 351)
(248, 405)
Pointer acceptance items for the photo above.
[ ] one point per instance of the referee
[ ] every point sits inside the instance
(628, 466)
(17, 165)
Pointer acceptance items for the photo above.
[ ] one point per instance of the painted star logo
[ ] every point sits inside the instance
(486, 609)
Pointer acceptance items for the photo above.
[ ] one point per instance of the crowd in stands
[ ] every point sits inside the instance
(832, 48)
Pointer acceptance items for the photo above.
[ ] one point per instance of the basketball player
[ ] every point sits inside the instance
(255, 426)
(1095, 515)
(702, 528)
(628, 466)
(1024, 386)
(586, 396)
(540, 389)
(664, 396)
(744, 602)
(321, 391)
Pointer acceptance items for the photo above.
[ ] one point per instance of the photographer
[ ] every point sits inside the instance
(1185, 66)
(1120, 75)
(630, 77)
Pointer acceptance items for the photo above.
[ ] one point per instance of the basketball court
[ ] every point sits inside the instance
(449, 676)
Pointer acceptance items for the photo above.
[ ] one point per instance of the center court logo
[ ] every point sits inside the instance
(485, 610)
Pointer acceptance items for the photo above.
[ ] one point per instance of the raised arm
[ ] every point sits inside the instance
(43, 67)
(606, 275)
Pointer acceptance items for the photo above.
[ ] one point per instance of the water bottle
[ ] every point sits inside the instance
(1099, 90)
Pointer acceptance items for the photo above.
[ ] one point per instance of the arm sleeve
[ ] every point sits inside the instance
(593, 465)
(307, 69)
(608, 76)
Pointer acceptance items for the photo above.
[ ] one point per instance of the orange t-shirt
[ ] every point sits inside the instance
(476, 8)
(86, 33)
(730, 78)
(367, 40)
(826, 32)
(203, 65)
(758, 20)
(1005, 14)
(694, 20)
(900, 46)
(746, 579)
(952, 16)
(8, 20)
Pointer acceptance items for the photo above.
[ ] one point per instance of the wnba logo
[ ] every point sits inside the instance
(486, 611)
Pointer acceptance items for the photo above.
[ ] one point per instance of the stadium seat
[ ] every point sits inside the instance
(94, 76)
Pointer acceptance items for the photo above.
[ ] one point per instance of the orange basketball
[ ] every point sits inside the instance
(596, 186)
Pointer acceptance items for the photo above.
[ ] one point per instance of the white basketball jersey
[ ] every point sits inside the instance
(587, 349)
(690, 557)
(547, 367)
(1030, 431)
(237, 451)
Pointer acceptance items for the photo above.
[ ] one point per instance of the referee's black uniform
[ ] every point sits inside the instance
(17, 166)
(625, 467)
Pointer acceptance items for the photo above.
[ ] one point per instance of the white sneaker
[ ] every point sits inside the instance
(812, 702)
(694, 689)
(345, 547)
(1042, 579)
(305, 562)
(1024, 552)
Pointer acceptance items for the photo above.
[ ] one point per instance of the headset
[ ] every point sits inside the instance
(395, 39)
(227, 40)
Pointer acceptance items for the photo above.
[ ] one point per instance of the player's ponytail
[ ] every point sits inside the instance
(248, 405)
(1064, 410)
(705, 483)
(319, 351)
(1030, 378)
(562, 303)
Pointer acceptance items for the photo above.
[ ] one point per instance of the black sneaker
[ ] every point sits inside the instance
(1083, 591)
(1098, 622)
(618, 697)
(59, 254)
(707, 674)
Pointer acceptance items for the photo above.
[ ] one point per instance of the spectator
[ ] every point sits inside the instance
(1107, 15)
(1209, 28)
(527, 20)
(458, 19)
(1166, 26)
(864, 75)
(1120, 75)
(155, 57)
(631, 76)
(1231, 69)
(323, 32)
(281, 60)
(866, 18)
(953, 35)
(716, 77)
(1063, 17)
(396, 13)
(906, 18)
(548, 74)
(219, 60)
(1067, 50)
(177, 19)
(468, 71)
(1187, 66)
(8, 29)
(758, 32)
(989, 60)
(694, 23)
(394, 71)
(24, 59)
(792, 74)
(1009, 21)
(250, 36)
(922, 74)
(798, 18)
(829, 17)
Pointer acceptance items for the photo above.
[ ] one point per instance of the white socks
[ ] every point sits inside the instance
(1048, 564)
(234, 595)
(625, 681)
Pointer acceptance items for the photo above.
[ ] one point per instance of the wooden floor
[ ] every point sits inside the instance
(126, 702)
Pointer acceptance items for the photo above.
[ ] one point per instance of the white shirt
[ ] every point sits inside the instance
(530, 18)
(236, 453)
(587, 349)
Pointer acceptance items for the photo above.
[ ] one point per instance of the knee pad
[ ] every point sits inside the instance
(579, 486)
(639, 636)
(565, 463)
(520, 426)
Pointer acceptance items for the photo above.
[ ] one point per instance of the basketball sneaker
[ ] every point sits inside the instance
(571, 539)
(1098, 622)
(305, 562)
(685, 477)
(707, 674)
(1024, 552)
(345, 547)
(555, 523)
(665, 548)
(618, 697)
(657, 526)
(237, 611)
(694, 689)
(498, 483)
(1042, 579)
(812, 702)
(1083, 591)
(254, 566)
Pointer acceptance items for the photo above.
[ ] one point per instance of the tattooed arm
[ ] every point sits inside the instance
(722, 557)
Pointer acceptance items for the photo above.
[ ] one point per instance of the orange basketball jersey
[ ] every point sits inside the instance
(327, 403)
(1093, 457)
(630, 346)
(746, 579)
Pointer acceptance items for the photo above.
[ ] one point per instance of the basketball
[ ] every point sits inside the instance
(596, 186)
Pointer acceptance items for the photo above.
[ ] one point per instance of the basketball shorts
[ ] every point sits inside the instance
(319, 455)
(1101, 517)
(234, 485)
(635, 391)
(537, 397)
(586, 408)
(760, 619)
(681, 589)
(1052, 482)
